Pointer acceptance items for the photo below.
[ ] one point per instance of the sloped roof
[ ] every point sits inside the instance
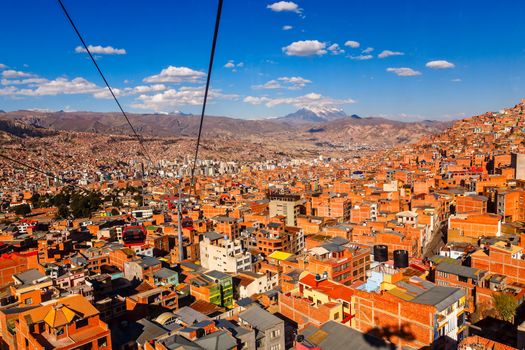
(440, 297)
(59, 315)
(62, 311)
(335, 336)
(460, 270)
(260, 318)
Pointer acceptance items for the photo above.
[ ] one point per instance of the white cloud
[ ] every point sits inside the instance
(456, 80)
(368, 50)
(172, 98)
(295, 82)
(305, 48)
(58, 86)
(335, 49)
(287, 27)
(101, 50)
(3, 66)
(173, 74)
(361, 57)
(254, 100)
(440, 64)
(290, 83)
(404, 72)
(284, 6)
(11, 73)
(388, 53)
(140, 89)
(308, 100)
(27, 81)
(352, 44)
(8, 91)
(64, 86)
(271, 84)
(231, 64)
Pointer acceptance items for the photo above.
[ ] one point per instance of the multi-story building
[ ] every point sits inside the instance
(227, 226)
(67, 323)
(501, 258)
(269, 329)
(511, 205)
(469, 227)
(342, 263)
(251, 283)
(14, 263)
(332, 205)
(471, 204)
(287, 205)
(137, 269)
(459, 276)
(409, 311)
(518, 164)
(220, 253)
(214, 287)
(317, 300)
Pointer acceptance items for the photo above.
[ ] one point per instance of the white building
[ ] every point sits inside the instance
(217, 252)
(256, 283)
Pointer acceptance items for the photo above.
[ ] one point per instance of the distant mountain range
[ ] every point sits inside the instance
(315, 125)
(316, 115)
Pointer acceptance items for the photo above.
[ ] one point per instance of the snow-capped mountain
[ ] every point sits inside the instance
(316, 115)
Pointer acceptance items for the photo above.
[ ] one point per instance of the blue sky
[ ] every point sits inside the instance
(430, 60)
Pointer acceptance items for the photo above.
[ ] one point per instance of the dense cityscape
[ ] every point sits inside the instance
(266, 216)
(414, 246)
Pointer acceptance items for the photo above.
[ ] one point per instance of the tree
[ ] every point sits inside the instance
(63, 212)
(483, 309)
(505, 305)
(22, 209)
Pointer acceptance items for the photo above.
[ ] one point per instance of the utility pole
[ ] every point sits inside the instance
(179, 215)
(142, 166)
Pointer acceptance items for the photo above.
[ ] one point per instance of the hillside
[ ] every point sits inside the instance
(332, 127)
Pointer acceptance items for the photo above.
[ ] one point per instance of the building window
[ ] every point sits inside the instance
(102, 342)
(336, 316)
(276, 333)
(276, 347)
(29, 301)
(82, 323)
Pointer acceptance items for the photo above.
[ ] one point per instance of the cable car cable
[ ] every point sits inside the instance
(139, 138)
(210, 68)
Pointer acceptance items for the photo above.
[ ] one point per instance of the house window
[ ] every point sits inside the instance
(336, 316)
(102, 342)
(29, 301)
(82, 323)
(276, 347)
(276, 333)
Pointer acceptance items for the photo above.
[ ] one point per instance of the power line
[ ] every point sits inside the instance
(139, 138)
(210, 67)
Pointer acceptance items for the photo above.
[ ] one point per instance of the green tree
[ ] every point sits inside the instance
(63, 212)
(505, 305)
(22, 209)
